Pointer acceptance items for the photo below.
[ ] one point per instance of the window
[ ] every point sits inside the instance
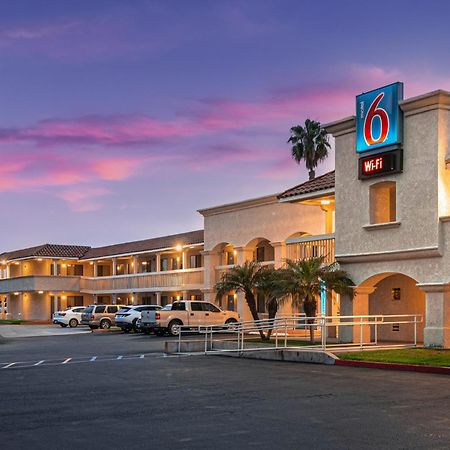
(261, 304)
(230, 259)
(195, 261)
(178, 306)
(260, 254)
(100, 309)
(209, 307)
(164, 264)
(176, 263)
(231, 303)
(112, 309)
(196, 306)
(383, 202)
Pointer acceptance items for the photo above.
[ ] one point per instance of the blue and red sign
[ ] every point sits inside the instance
(378, 118)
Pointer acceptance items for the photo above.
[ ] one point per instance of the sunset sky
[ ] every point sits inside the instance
(119, 119)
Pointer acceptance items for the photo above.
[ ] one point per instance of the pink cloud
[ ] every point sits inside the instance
(84, 198)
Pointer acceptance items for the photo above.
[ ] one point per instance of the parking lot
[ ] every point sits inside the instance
(114, 390)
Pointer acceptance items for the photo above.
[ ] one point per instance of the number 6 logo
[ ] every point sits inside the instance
(373, 112)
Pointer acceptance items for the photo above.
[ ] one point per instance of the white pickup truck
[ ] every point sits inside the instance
(186, 313)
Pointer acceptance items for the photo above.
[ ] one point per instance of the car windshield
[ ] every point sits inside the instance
(89, 309)
(124, 309)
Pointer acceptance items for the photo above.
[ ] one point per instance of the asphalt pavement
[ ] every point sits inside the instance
(111, 390)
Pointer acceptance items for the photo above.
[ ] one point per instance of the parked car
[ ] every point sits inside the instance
(147, 327)
(186, 313)
(127, 316)
(71, 316)
(100, 316)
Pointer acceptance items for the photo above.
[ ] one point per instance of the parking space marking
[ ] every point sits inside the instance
(8, 365)
(85, 359)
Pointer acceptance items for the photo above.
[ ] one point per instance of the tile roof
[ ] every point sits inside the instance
(47, 250)
(189, 238)
(317, 184)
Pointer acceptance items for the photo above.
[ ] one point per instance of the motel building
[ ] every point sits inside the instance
(383, 214)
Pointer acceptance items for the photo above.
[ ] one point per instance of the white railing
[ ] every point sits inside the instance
(284, 330)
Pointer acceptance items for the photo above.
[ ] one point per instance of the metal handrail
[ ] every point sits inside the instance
(297, 322)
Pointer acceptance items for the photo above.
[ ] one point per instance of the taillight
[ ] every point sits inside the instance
(157, 316)
(92, 316)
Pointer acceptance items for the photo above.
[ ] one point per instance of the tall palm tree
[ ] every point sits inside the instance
(309, 143)
(304, 279)
(244, 279)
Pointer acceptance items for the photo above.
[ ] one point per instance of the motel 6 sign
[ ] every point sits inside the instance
(378, 118)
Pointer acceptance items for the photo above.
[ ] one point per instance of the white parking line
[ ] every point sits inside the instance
(39, 363)
(142, 356)
(66, 361)
(93, 359)
(9, 365)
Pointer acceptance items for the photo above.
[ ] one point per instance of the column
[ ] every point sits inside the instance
(8, 310)
(358, 306)
(158, 298)
(55, 268)
(94, 298)
(185, 295)
(2, 306)
(243, 255)
(8, 271)
(135, 264)
(114, 266)
(279, 249)
(95, 268)
(437, 316)
(136, 297)
(114, 299)
(158, 262)
(55, 301)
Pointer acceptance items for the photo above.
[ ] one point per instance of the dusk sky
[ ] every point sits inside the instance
(119, 119)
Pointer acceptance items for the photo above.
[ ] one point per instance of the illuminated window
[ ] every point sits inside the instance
(383, 202)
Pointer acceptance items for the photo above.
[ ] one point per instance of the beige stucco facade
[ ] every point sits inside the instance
(417, 243)
(243, 227)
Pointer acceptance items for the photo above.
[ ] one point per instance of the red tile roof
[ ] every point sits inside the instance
(47, 250)
(321, 183)
(189, 238)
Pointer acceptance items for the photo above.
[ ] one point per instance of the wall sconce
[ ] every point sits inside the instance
(179, 247)
(40, 292)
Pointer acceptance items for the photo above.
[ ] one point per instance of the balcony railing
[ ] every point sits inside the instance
(311, 247)
(40, 283)
(152, 281)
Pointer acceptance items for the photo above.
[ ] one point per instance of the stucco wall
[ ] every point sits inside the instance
(417, 193)
(274, 222)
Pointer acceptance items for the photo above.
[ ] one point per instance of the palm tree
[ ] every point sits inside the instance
(269, 287)
(309, 143)
(244, 279)
(304, 279)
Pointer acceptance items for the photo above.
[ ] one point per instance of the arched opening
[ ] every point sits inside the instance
(261, 250)
(395, 294)
(226, 254)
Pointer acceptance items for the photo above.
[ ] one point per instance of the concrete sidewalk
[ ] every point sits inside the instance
(21, 331)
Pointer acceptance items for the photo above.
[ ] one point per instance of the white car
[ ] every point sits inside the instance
(128, 316)
(71, 316)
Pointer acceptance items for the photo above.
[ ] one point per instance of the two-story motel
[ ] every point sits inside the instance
(387, 212)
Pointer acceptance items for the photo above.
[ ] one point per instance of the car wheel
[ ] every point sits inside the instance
(134, 326)
(231, 324)
(174, 327)
(105, 324)
(64, 325)
(73, 323)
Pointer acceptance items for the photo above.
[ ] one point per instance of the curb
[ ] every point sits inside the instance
(394, 366)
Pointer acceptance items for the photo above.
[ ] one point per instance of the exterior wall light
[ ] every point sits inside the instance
(16, 293)
(179, 247)
(40, 292)
(325, 202)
